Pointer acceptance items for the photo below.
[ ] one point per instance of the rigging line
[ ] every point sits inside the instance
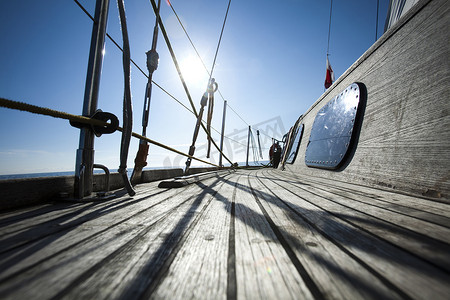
(189, 38)
(199, 56)
(220, 39)
(133, 62)
(227, 137)
(111, 39)
(329, 28)
(201, 60)
(238, 115)
(16, 105)
(263, 133)
(160, 87)
(376, 22)
(127, 106)
(175, 61)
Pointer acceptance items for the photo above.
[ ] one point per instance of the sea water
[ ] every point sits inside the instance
(96, 171)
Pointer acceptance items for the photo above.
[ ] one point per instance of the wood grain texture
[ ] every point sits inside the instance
(253, 234)
(377, 229)
(404, 141)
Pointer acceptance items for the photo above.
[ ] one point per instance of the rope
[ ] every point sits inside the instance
(189, 38)
(175, 61)
(134, 63)
(127, 106)
(48, 112)
(203, 63)
(16, 105)
(220, 39)
(193, 111)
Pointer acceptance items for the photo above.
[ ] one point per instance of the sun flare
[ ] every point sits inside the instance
(193, 72)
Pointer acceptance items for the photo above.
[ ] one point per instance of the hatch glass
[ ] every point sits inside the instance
(333, 128)
(295, 145)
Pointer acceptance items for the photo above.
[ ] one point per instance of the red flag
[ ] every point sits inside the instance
(329, 77)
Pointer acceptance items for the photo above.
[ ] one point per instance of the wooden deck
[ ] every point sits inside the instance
(261, 234)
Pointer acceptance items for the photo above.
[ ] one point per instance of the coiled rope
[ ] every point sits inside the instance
(16, 105)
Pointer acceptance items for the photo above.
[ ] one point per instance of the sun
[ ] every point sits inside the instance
(194, 72)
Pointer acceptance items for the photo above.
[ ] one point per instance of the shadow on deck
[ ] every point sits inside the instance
(251, 234)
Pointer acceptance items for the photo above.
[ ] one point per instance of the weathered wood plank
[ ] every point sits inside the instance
(407, 273)
(264, 269)
(201, 270)
(137, 267)
(430, 224)
(66, 257)
(411, 234)
(432, 211)
(62, 217)
(335, 271)
(405, 133)
(252, 234)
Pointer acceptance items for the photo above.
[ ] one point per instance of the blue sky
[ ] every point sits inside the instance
(270, 68)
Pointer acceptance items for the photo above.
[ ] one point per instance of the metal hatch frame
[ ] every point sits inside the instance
(336, 129)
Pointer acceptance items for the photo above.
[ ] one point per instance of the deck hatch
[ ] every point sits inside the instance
(295, 145)
(332, 131)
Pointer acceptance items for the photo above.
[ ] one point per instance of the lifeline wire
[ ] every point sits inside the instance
(193, 111)
(175, 61)
(164, 90)
(16, 105)
(203, 63)
(134, 63)
(220, 39)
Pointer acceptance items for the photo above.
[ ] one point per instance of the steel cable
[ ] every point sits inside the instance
(175, 61)
(16, 105)
(159, 86)
(201, 60)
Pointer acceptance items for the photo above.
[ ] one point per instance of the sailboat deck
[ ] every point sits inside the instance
(248, 235)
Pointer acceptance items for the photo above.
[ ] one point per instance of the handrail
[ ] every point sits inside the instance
(164, 90)
(16, 105)
(169, 46)
(206, 69)
(90, 119)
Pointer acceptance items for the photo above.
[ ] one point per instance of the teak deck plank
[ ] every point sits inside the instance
(262, 263)
(335, 273)
(246, 235)
(204, 254)
(425, 239)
